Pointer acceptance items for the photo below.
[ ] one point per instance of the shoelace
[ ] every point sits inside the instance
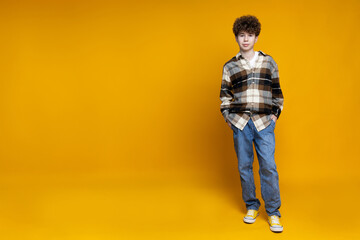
(275, 220)
(251, 213)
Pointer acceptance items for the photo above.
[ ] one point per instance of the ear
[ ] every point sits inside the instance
(256, 38)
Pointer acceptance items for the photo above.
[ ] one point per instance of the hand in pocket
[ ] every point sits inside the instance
(229, 123)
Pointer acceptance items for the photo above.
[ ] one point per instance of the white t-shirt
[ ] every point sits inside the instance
(253, 60)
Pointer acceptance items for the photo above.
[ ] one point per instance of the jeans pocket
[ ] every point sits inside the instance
(233, 127)
(273, 123)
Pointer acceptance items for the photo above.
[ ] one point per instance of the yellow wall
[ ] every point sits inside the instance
(133, 86)
(130, 89)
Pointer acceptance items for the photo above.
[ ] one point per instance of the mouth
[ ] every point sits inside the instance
(245, 45)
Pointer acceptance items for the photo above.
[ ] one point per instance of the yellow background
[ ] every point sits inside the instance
(110, 125)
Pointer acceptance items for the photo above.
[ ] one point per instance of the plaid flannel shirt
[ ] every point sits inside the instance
(248, 92)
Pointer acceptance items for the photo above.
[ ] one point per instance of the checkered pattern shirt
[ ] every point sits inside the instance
(248, 92)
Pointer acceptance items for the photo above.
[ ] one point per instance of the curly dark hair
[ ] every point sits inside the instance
(247, 23)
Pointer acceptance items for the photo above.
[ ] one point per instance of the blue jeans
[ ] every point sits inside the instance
(269, 179)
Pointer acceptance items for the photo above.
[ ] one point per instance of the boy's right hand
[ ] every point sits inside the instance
(228, 123)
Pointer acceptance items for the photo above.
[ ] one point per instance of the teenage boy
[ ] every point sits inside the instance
(251, 103)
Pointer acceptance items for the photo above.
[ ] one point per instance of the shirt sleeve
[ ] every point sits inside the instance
(277, 95)
(226, 93)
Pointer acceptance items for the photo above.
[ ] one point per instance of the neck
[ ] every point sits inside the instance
(248, 54)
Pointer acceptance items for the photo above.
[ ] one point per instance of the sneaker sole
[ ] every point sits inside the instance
(276, 229)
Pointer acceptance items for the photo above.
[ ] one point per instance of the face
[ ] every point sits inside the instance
(246, 40)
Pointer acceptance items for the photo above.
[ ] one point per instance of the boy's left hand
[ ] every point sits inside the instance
(273, 117)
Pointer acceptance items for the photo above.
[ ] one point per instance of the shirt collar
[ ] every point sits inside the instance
(238, 55)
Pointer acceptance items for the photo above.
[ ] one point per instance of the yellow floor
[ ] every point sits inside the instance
(98, 207)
